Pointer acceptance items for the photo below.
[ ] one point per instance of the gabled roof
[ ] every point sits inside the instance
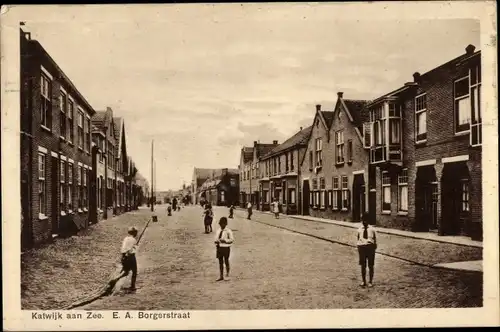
(299, 139)
(263, 149)
(99, 119)
(328, 116)
(118, 132)
(357, 111)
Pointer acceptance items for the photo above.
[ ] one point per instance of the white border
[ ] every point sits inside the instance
(455, 159)
(427, 162)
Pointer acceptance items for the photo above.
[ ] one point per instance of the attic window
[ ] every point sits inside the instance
(317, 123)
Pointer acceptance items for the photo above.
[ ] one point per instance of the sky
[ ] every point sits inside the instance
(204, 81)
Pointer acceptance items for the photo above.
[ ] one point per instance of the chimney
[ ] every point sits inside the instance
(318, 108)
(300, 128)
(470, 49)
(416, 77)
(275, 142)
(340, 94)
(254, 143)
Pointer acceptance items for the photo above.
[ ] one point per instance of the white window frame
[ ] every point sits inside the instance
(465, 195)
(335, 194)
(457, 110)
(476, 119)
(46, 100)
(318, 151)
(402, 183)
(71, 124)
(292, 196)
(339, 147)
(322, 187)
(63, 105)
(345, 199)
(70, 186)
(81, 118)
(420, 112)
(42, 185)
(386, 183)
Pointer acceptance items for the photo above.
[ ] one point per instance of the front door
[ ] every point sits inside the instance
(54, 169)
(358, 203)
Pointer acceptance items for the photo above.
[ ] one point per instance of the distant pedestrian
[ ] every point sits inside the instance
(367, 244)
(129, 262)
(249, 211)
(231, 211)
(223, 241)
(276, 208)
(174, 204)
(169, 209)
(208, 214)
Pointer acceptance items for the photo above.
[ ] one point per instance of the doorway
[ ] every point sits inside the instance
(426, 199)
(358, 202)
(455, 205)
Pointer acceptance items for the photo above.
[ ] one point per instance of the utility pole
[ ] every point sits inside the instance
(152, 177)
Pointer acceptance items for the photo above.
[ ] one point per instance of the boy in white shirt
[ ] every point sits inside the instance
(223, 241)
(129, 262)
(249, 210)
(367, 244)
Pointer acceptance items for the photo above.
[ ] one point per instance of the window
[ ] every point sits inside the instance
(319, 155)
(84, 188)
(46, 102)
(71, 110)
(311, 161)
(62, 185)
(88, 135)
(80, 129)
(349, 151)
(292, 196)
(222, 198)
(339, 142)
(62, 108)
(377, 118)
(322, 193)
(330, 198)
(403, 190)
(42, 190)
(335, 202)
(79, 183)
(462, 105)
(475, 93)
(315, 190)
(345, 193)
(70, 186)
(421, 118)
(286, 163)
(465, 195)
(279, 164)
(386, 192)
(395, 130)
(291, 162)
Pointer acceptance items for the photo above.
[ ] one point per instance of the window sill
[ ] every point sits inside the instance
(322, 208)
(62, 138)
(45, 128)
(386, 212)
(70, 212)
(80, 211)
(63, 213)
(349, 162)
(41, 216)
(402, 213)
(462, 133)
(344, 210)
(422, 142)
(80, 149)
(85, 210)
(339, 164)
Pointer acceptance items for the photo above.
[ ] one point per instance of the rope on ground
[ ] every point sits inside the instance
(106, 289)
(354, 246)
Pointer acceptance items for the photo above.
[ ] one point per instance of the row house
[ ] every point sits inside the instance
(424, 146)
(56, 148)
(200, 175)
(222, 188)
(335, 167)
(249, 172)
(280, 171)
(63, 169)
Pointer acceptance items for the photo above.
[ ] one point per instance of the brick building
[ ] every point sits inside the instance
(200, 175)
(424, 143)
(55, 148)
(335, 166)
(279, 173)
(221, 188)
(249, 172)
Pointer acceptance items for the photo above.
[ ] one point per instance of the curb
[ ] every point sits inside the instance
(379, 229)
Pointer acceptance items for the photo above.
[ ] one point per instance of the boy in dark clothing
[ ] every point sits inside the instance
(223, 241)
(231, 211)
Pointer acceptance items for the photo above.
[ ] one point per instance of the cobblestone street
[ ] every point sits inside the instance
(274, 268)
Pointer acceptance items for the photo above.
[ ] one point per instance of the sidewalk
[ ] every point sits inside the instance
(459, 240)
(58, 274)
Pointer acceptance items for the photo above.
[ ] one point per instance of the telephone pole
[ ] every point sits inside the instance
(152, 177)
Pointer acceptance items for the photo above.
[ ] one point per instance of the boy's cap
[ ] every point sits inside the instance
(132, 229)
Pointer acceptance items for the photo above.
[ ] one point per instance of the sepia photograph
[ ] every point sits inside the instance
(167, 163)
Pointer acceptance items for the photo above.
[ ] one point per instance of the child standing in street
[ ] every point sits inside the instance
(129, 262)
(231, 211)
(223, 241)
(367, 244)
(208, 218)
(276, 208)
(249, 211)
